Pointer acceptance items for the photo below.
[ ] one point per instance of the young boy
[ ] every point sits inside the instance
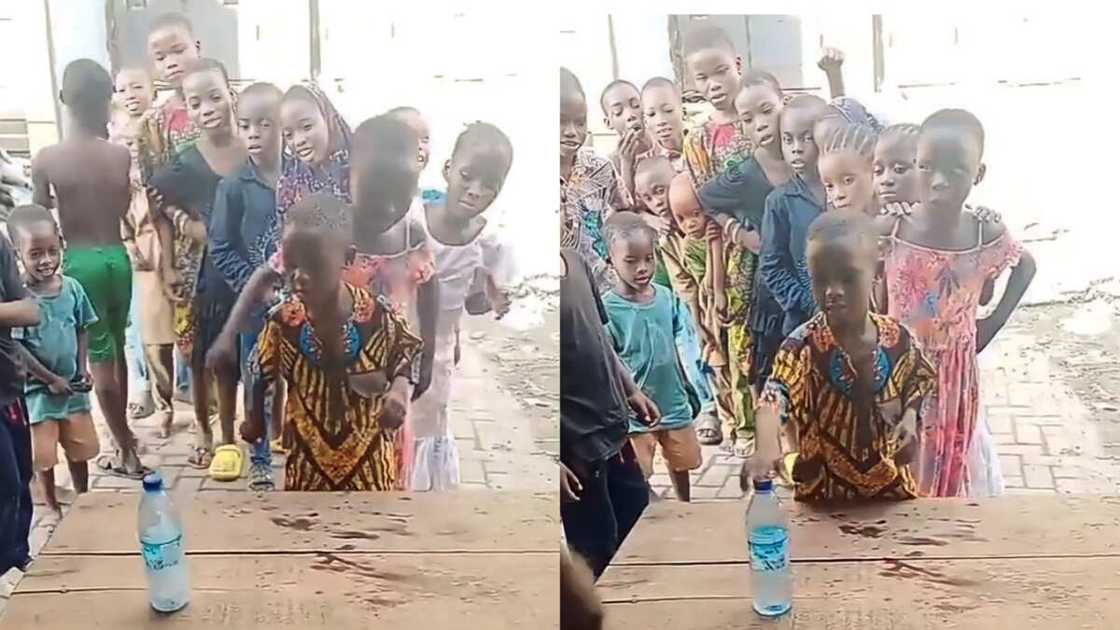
(150, 336)
(664, 116)
(847, 385)
(89, 177)
(622, 112)
(172, 50)
(16, 309)
(646, 321)
(55, 353)
(790, 209)
(589, 189)
(602, 489)
(244, 208)
(713, 267)
(415, 121)
(716, 69)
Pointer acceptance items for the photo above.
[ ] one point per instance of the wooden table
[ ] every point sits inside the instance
(1012, 563)
(474, 560)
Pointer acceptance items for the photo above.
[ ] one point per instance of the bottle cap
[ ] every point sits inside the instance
(763, 485)
(153, 481)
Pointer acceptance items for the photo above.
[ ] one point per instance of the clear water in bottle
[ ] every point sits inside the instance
(162, 545)
(768, 542)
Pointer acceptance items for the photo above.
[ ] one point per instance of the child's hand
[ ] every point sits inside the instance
(59, 386)
(222, 352)
(831, 59)
(986, 330)
(659, 223)
(906, 437)
(369, 385)
(757, 466)
(985, 214)
(713, 232)
(252, 429)
(628, 148)
(395, 407)
(898, 209)
(570, 487)
(721, 304)
(647, 411)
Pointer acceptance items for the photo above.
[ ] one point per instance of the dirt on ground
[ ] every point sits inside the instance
(527, 362)
(1082, 340)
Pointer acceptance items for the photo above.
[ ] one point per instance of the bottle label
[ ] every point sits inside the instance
(769, 549)
(159, 556)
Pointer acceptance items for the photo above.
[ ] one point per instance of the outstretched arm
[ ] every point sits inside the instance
(254, 295)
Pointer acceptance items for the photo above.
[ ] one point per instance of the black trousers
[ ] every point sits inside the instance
(614, 495)
(15, 486)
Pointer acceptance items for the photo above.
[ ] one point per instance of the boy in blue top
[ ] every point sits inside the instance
(790, 210)
(55, 352)
(645, 320)
(244, 207)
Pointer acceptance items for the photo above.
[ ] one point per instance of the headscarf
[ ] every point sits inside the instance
(299, 179)
(853, 111)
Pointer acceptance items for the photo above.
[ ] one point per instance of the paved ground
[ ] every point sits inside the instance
(1051, 401)
(501, 445)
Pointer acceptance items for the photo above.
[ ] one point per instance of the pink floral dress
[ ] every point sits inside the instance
(935, 293)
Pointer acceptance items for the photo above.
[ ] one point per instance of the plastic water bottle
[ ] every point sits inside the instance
(161, 542)
(768, 542)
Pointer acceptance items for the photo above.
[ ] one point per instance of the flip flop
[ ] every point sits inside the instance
(227, 464)
(111, 465)
(709, 430)
(200, 458)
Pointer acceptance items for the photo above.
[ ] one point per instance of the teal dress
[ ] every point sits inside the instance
(645, 337)
(54, 342)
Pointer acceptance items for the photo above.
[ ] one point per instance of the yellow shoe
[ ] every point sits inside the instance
(227, 464)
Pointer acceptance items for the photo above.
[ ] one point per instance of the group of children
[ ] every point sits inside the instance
(254, 237)
(826, 266)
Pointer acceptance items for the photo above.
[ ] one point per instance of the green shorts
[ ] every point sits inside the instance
(106, 275)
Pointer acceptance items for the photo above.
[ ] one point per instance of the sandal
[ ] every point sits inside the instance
(200, 458)
(112, 465)
(709, 430)
(227, 464)
(139, 411)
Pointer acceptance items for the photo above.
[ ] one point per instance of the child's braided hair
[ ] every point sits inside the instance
(856, 138)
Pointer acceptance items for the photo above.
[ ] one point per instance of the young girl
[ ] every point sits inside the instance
(346, 356)
(185, 190)
(938, 263)
(848, 385)
(664, 115)
(464, 254)
(57, 393)
(736, 200)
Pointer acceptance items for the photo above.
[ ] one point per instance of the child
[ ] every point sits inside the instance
(55, 351)
(664, 116)
(150, 336)
(846, 169)
(653, 181)
(645, 322)
(244, 208)
(736, 199)
(602, 489)
(790, 209)
(186, 190)
(589, 189)
(16, 509)
(892, 165)
(463, 254)
(172, 50)
(90, 180)
(415, 121)
(622, 112)
(848, 385)
(716, 69)
(346, 356)
(715, 268)
(938, 264)
(393, 258)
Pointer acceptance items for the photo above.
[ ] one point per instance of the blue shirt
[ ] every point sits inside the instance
(240, 238)
(790, 210)
(54, 342)
(645, 338)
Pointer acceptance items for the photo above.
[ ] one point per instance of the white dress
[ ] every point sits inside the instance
(461, 270)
